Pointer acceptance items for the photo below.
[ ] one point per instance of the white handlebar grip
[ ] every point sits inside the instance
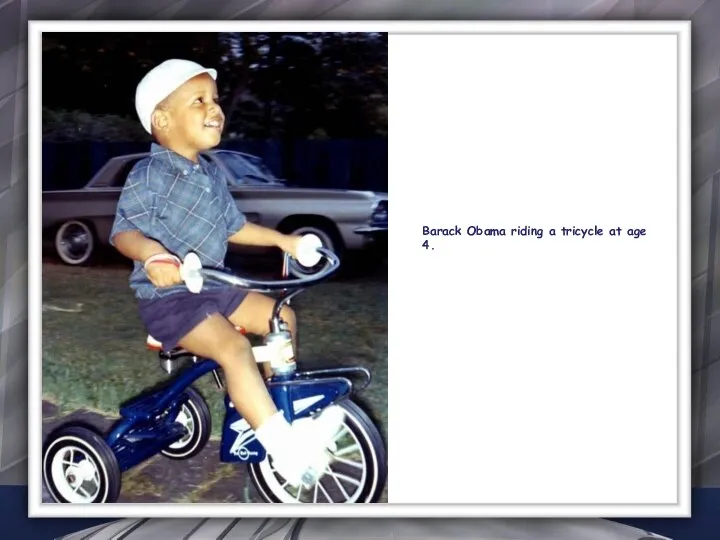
(190, 272)
(308, 254)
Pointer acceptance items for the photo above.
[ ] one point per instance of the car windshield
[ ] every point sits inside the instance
(245, 169)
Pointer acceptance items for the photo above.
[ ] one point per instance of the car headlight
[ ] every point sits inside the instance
(380, 212)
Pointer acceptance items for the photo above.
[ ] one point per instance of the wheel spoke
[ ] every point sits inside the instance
(275, 471)
(343, 430)
(347, 478)
(327, 495)
(349, 449)
(339, 485)
(348, 462)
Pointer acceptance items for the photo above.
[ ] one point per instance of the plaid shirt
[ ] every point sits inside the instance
(183, 205)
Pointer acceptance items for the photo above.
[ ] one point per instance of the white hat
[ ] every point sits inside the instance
(160, 82)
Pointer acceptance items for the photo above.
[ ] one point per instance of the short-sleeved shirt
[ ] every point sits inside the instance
(185, 206)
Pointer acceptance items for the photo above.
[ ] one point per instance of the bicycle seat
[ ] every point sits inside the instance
(155, 345)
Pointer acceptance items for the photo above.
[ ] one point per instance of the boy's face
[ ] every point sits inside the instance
(191, 118)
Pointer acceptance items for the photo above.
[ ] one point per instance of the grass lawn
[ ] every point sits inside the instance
(94, 355)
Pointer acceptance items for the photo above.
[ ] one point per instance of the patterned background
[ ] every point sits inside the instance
(14, 14)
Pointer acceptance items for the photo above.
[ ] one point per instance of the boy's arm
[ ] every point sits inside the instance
(133, 215)
(136, 246)
(250, 234)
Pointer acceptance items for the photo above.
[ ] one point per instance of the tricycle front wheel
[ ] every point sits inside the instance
(357, 475)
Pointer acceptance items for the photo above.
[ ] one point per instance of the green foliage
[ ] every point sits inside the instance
(272, 85)
(70, 126)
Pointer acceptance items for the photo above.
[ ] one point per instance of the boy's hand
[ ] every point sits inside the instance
(163, 271)
(289, 244)
(163, 274)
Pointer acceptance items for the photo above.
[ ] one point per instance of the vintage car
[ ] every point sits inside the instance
(79, 221)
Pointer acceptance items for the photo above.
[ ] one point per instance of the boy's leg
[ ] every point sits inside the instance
(216, 338)
(254, 316)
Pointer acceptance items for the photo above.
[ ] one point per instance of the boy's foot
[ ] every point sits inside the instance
(322, 428)
(307, 460)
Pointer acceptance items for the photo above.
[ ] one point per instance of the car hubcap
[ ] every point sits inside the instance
(74, 242)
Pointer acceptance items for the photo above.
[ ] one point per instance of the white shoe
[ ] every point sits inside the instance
(308, 459)
(297, 469)
(323, 428)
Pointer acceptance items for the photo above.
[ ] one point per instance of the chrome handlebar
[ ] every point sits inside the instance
(310, 253)
(332, 266)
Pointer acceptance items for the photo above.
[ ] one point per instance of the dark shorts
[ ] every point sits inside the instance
(170, 318)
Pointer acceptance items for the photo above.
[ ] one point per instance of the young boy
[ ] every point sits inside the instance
(175, 202)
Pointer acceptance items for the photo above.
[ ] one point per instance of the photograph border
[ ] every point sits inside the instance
(389, 510)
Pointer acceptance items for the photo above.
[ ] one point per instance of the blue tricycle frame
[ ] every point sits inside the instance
(138, 435)
(149, 423)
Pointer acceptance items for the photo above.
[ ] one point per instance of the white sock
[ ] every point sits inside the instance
(275, 433)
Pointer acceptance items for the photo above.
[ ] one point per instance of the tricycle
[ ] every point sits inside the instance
(174, 420)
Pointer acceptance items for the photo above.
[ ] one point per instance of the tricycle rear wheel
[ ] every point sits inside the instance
(75, 459)
(195, 416)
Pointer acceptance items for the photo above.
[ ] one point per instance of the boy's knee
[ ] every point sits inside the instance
(288, 315)
(234, 349)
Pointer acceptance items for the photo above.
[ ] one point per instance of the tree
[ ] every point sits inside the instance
(279, 85)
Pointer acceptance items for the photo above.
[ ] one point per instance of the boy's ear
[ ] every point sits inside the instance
(159, 120)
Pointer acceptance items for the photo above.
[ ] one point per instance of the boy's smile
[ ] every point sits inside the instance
(214, 124)
(190, 119)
